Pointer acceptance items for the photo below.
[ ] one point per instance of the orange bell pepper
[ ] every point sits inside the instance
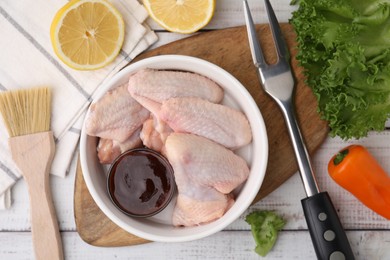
(357, 171)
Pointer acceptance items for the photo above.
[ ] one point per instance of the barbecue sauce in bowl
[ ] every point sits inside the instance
(141, 182)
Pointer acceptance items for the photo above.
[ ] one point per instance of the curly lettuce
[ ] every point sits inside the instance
(265, 226)
(344, 48)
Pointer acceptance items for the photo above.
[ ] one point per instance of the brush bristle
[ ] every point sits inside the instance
(26, 111)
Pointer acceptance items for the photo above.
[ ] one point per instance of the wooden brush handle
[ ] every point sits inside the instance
(34, 154)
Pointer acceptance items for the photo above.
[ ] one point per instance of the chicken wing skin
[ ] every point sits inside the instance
(222, 124)
(150, 87)
(154, 133)
(116, 115)
(205, 174)
(108, 149)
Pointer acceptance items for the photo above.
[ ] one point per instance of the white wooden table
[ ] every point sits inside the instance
(369, 234)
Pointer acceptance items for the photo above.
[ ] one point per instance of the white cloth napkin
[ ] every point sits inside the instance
(27, 60)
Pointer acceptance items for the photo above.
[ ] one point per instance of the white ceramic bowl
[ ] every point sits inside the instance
(158, 227)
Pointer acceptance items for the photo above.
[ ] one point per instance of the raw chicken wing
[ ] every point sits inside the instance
(115, 116)
(154, 133)
(222, 124)
(150, 87)
(206, 162)
(108, 150)
(199, 205)
(205, 174)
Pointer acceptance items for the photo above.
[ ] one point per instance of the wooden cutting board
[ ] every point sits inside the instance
(229, 49)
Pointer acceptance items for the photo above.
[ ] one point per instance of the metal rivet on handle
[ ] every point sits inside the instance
(329, 235)
(322, 216)
(337, 255)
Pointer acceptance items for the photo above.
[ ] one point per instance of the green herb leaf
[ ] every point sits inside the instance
(265, 226)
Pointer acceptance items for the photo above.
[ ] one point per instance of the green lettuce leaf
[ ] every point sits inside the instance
(265, 226)
(344, 48)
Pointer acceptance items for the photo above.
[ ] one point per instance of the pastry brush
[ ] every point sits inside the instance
(26, 115)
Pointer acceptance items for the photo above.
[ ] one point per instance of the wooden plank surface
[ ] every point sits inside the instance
(227, 245)
(230, 50)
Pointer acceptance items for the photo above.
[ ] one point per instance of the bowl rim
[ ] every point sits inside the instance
(224, 221)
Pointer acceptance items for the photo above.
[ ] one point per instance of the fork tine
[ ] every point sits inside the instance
(257, 54)
(280, 44)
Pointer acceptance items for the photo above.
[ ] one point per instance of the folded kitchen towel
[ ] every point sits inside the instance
(28, 60)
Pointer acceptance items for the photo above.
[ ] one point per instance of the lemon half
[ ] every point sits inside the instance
(182, 16)
(87, 34)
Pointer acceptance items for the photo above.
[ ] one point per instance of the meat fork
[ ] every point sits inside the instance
(328, 236)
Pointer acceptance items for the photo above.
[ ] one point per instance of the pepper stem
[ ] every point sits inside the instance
(340, 156)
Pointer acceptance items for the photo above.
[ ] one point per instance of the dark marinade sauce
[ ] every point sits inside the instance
(141, 182)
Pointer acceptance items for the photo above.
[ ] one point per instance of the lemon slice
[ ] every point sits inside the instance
(182, 16)
(87, 34)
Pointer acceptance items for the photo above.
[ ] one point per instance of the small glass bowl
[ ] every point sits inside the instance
(141, 182)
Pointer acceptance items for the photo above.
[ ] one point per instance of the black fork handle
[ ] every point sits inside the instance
(327, 234)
